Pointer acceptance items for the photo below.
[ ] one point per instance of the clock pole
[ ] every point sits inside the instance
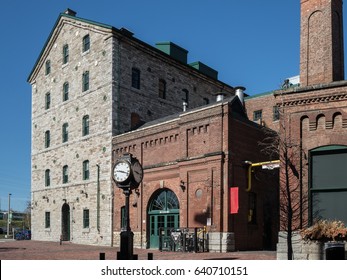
(126, 235)
(127, 174)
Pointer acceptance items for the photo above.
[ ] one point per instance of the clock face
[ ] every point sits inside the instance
(137, 172)
(121, 171)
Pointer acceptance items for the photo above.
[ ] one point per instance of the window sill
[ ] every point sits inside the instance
(86, 230)
(85, 52)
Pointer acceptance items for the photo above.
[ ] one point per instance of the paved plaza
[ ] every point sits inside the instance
(42, 250)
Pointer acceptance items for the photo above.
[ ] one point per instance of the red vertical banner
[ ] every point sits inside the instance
(234, 200)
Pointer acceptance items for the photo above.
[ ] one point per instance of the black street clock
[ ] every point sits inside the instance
(127, 172)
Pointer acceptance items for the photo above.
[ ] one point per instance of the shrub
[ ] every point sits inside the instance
(325, 230)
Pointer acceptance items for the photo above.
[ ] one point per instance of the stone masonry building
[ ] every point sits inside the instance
(90, 83)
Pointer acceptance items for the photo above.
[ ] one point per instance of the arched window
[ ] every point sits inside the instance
(164, 201)
(66, 91)
(48, 67)
(85, 125)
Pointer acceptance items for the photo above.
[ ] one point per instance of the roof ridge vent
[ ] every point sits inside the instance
(70, 12)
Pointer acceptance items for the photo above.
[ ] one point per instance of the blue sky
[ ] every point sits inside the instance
(251, 43)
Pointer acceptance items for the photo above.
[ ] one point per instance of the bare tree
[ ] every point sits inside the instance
(292, 202)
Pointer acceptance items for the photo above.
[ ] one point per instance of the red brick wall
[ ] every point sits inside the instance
(316, 117)
(321, 45)
(205, 149)
(265, 103)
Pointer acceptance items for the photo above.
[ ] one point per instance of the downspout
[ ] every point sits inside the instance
(301, 173)
(143, 214)
(222, 182)
(116, 58)
(98, 199)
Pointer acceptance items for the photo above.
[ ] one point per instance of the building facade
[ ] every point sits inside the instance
(89, 83)
(193, 163)
(314, 115)
(89, 87)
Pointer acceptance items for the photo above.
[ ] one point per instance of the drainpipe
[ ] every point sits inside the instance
(250, 165)
(98, 200)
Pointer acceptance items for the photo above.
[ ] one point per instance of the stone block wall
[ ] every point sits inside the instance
(302, 250)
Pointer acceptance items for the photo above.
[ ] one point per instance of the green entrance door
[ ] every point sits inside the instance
(163, 215)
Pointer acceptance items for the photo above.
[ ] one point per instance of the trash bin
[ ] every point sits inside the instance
(334, 251)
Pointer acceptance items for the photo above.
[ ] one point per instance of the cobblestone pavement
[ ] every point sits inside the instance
(42, 250)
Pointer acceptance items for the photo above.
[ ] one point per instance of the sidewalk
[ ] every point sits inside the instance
(43, 250)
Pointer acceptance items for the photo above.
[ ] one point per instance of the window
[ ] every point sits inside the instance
(207, 101)
(47, 219)
(86, 170)
(48, 67)
(85, 218)
(275, 113)
(257, 115)
(86, 43)
(85, 125)
(47, 101)
(47, 178)
(85, 81)
(135, 78)
(328, 183)
(252, 208)
(162, 89)
(65, 54)
(47, 139)
(66, 91)
(65, 134)
(65, 174)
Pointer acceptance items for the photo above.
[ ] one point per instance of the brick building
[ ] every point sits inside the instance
(192, 162)
(314, 115)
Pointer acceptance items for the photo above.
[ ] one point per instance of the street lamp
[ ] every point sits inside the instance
(8, 215)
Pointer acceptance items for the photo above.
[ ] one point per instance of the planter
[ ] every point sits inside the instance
(334, 250)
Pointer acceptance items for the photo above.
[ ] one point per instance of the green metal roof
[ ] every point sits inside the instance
(260, 94)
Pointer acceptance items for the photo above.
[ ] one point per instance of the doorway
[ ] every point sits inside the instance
(65, 222)
(163, 215)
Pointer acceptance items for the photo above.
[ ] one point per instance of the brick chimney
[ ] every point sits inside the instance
(70, 12)
(321, 42)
